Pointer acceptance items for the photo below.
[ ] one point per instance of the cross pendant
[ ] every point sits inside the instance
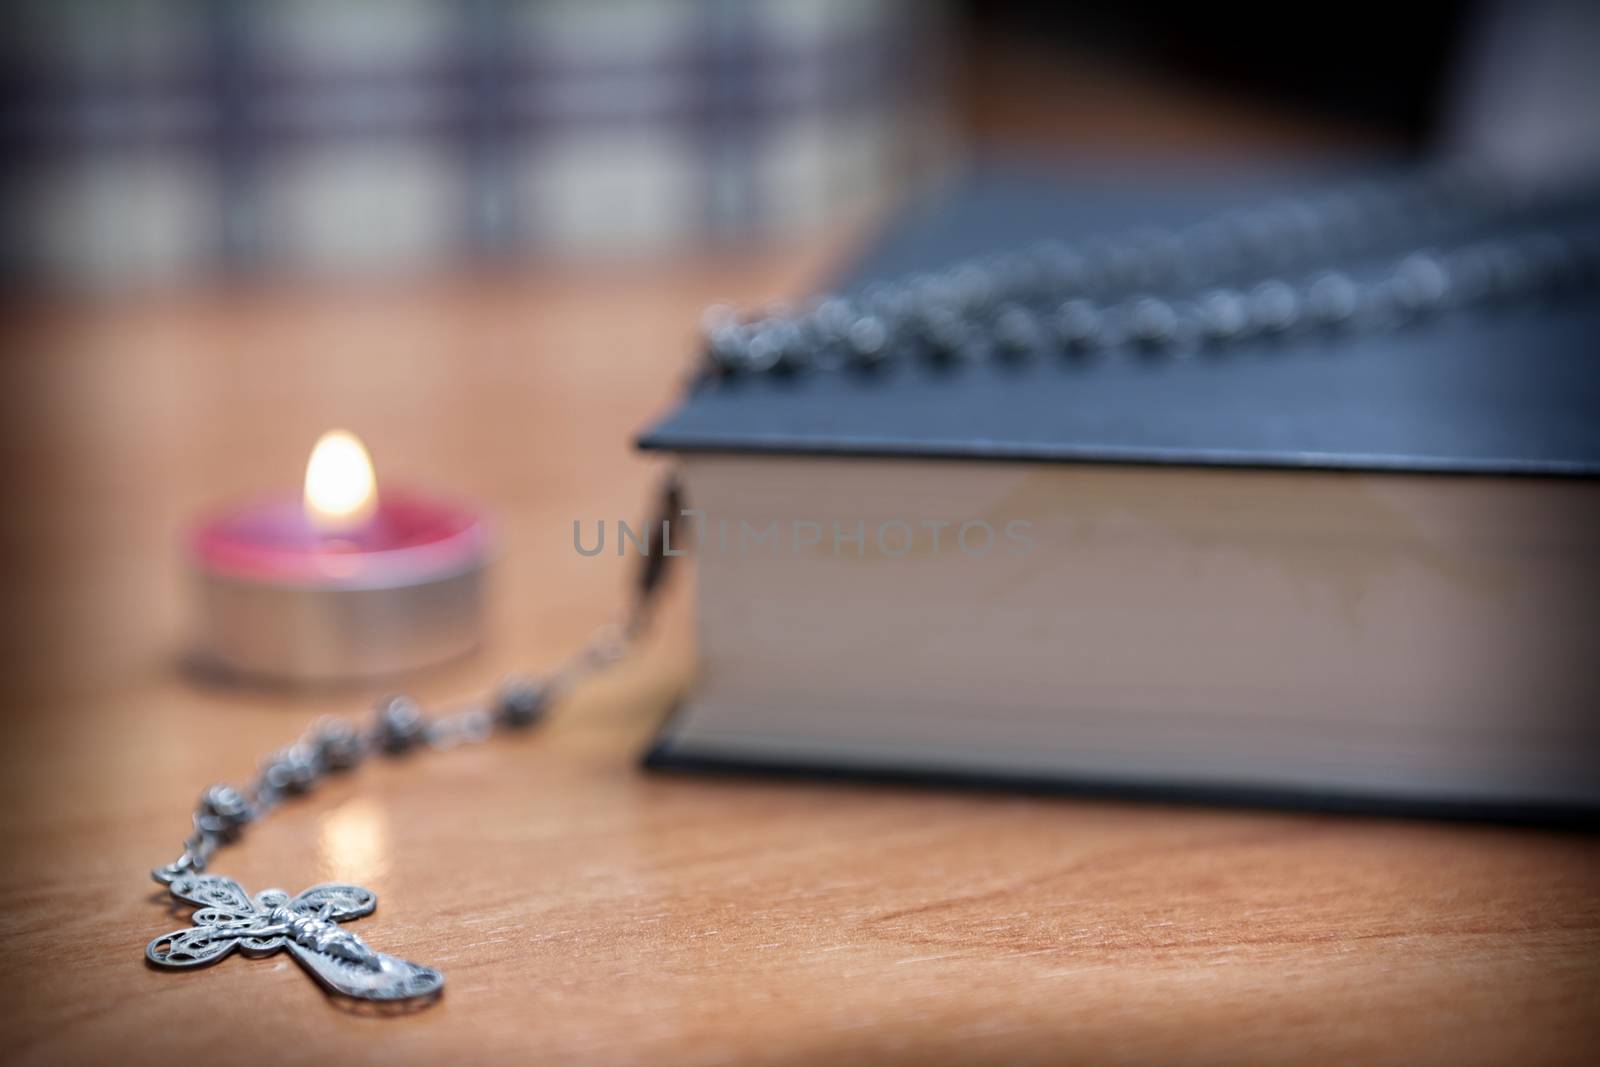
(226, 917)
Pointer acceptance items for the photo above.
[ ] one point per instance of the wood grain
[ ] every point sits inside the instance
(585, 911)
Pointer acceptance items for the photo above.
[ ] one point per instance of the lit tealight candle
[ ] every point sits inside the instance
(340, 582)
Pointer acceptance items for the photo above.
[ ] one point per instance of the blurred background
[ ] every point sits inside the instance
(176, 139)
(170, 141)
(480, 233)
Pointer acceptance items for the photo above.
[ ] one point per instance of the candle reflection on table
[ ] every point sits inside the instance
(353, 844)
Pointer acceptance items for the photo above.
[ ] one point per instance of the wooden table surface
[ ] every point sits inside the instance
(583, 910)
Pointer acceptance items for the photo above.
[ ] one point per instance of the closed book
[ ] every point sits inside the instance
(1346, 568)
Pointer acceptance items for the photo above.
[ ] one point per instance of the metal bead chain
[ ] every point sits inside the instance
(1421, 284)
(333, 746)
(1220, 281)
(399, 726)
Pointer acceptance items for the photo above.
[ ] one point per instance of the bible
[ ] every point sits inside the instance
(956, 535)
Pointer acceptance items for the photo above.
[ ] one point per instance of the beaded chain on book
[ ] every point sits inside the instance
(1448, 238)
(1363, 258)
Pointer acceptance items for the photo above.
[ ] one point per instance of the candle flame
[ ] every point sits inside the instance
(341, 490)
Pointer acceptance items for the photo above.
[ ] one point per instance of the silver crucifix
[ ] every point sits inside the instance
(226, 917)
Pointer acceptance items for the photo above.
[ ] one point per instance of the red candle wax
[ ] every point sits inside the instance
(408, 538)
(280, 598)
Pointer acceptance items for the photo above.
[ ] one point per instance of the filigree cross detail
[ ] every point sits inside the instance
(307, 925)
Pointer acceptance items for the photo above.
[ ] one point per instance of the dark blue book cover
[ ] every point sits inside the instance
(1505, 388)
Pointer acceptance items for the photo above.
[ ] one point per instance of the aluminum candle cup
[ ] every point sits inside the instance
(298, 590)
